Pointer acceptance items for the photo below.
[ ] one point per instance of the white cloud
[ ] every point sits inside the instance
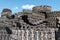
(16, 8)
(27, 6)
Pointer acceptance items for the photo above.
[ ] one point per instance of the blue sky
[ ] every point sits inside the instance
(19, 5)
